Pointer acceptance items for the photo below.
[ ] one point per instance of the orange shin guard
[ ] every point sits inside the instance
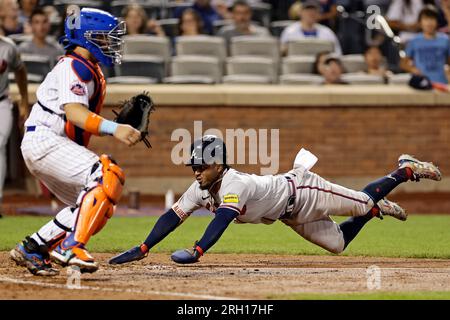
(98, 204)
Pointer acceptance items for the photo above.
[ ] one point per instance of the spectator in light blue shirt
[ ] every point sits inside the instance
(429, 52)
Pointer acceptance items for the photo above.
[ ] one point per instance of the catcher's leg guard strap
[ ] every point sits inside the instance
(97, 205)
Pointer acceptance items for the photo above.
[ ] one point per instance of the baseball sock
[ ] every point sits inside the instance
(353, 225)
(62, 223)
(380, 188)
(165, 225)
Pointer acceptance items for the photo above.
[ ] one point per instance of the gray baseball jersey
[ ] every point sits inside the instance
(257, 199)
(9, 62)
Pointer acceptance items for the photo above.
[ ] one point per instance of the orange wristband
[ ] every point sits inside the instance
(92, 124)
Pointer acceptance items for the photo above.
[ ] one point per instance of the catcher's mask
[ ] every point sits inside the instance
(208, 150)
(97, 31)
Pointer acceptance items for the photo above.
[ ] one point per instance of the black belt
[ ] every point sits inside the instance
(50, 111)
(3, 97)
(291, 200)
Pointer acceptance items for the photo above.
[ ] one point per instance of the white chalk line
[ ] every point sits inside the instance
(106, 289)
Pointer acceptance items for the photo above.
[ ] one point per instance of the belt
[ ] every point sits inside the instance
(291, 200)
(3, 97)
(50, 111)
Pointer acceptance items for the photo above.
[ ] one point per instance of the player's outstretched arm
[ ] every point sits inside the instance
(165, 225)
(81, 117)
(212, 234)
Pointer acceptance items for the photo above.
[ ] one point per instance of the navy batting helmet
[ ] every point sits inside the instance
(209, 149)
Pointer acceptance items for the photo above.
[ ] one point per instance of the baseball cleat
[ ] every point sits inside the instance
(134, 254)
(389, 208)
(420, 169)
(35, 262)
(73, 253)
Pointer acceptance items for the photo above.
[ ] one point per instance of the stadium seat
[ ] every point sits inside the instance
(202, 46)
(37, 66)
(170, 26)
(256, 46)
(195, 69)
(354, 63)
(18, 38)
(362, 78)
(302, 79)
(250, 69)
(399, 79)
(150, 67)
(262, 13)
(277, 27)
(309, 47)
(298, 64)
(148, 45)
(218, 24)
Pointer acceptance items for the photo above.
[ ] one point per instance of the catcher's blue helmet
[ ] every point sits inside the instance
(97, 31)
(208, 150)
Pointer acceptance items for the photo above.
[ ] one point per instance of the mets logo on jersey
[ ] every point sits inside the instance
(77, 88)
(3, 66)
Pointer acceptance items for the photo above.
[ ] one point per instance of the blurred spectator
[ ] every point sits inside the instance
(40, 44)
(330, 68)
(444, 15)
(375, 61)
(190, 23)
(26, 9)
(308, 27)
(280, 9)
(207, 13)
(402, 17)
(10, 17)
(137, 22)
(242, 18)
(429, 52)
(328, 13)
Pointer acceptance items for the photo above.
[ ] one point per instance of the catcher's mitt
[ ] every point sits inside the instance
(136, 112)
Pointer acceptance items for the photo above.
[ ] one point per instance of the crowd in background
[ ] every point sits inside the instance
(421, 26)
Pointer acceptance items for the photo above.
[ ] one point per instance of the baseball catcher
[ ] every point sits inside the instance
(299, 198)
(66, 114)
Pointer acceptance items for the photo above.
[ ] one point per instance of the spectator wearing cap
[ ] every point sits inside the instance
(429, 52)
(402, 17)
(206, 11)
(330, 68)
(308, 27)
(40, 44)
(242, 26)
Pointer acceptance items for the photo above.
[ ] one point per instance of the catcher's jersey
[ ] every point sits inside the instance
(73, 80)
(257, 199)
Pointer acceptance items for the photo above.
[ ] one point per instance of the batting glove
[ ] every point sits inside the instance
(187, 255)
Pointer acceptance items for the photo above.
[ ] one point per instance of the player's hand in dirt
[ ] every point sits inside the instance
(134, 254)
(127, 134)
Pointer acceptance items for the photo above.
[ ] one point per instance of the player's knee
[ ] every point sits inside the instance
(337, 246)
(113, 179)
